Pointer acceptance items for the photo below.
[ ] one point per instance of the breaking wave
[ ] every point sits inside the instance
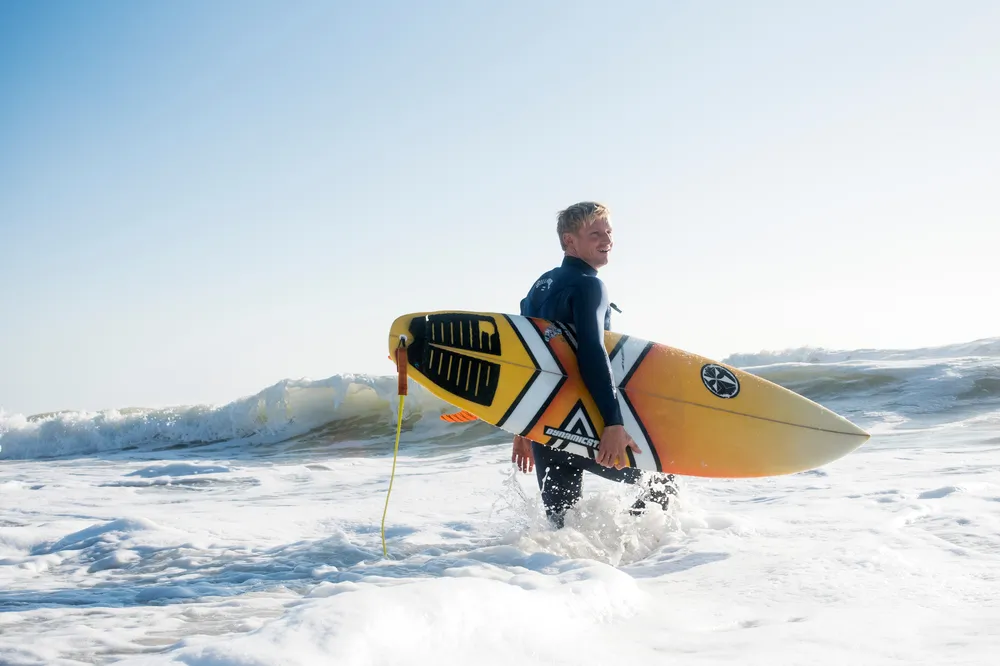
(870, 387)
(919, 381)
(343, 409)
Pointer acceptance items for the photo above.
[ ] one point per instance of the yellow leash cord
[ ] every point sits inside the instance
(395, 451)
(401, 362)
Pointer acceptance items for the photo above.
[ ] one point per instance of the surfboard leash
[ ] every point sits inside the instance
(401, 391)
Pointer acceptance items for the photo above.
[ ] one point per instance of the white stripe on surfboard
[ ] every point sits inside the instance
(626, 356)
(544, 385)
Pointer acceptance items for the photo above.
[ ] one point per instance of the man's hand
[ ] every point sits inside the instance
(611, 450)
(522, 455)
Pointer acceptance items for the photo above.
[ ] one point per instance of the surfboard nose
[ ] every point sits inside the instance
(855, 429)
(825, 417)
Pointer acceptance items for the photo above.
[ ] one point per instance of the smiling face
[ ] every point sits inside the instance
(591, 242)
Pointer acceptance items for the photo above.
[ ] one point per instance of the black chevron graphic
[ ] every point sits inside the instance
(576, 429)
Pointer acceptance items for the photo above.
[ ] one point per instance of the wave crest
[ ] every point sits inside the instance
(344, 407)
(984, 348)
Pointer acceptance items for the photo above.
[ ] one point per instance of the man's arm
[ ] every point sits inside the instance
(590, 304)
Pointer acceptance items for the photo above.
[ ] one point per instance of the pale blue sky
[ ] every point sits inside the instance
(200, 199)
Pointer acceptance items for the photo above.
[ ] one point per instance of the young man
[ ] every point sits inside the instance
(572, 293)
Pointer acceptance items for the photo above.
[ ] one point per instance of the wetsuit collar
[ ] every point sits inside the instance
(579, 264)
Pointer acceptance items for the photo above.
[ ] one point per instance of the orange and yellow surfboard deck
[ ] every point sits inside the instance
(688, 414)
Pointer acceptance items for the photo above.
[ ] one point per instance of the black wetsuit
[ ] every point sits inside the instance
(573, 294)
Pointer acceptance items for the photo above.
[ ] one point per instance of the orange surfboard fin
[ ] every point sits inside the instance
(459, 417)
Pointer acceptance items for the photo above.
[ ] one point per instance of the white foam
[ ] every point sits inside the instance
(288, 569)
(457, 619)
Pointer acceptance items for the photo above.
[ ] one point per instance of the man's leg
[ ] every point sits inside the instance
(559, 480)
(656, 488)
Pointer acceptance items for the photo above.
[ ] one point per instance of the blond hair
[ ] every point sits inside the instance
(579, 215)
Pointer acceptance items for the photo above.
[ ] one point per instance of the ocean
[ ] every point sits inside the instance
(250, 534)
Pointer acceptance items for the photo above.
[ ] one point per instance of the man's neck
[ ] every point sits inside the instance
(571, 258)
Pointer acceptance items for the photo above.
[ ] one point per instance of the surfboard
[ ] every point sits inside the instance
(688, 414)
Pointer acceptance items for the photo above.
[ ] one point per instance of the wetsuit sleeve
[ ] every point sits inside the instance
(590, 304)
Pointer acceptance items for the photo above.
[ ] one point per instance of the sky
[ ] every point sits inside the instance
(198, 200)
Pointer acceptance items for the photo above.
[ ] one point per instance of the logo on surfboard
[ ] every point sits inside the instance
(720, 381)
(573, 437)
(576, 434)
(552, 331)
